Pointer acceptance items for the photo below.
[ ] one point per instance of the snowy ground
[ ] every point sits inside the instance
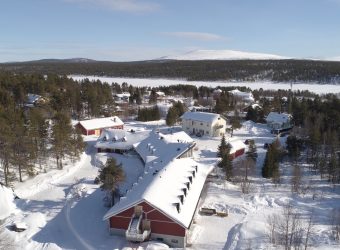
(266, 85)
(64, 209)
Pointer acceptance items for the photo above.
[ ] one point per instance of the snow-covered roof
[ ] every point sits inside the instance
(98, 123)
(120, 139)
(236, 145)
(201, 116)
(32, 98)
(160, 93)
(165, 177)
(164, 146)
(247, 96)
(274, 117)
(7, 202)
(217, 91)
(122, 95)
(162, 184)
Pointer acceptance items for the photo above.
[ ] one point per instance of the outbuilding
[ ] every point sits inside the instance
(279, 121)
(95, 126)
(237, 148)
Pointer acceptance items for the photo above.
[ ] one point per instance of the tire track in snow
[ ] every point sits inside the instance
(81, 240)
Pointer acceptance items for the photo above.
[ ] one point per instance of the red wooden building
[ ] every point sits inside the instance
(162, 203)
(95, 126)
(237, 148)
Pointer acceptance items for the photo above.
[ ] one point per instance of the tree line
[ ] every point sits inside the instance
(239, 70)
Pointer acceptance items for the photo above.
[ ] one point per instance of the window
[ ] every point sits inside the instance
(193, 123)
(174, 241)
(201, 123)
(160, 239)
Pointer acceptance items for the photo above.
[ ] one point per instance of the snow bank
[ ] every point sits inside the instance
(151, 245)
(7, 205)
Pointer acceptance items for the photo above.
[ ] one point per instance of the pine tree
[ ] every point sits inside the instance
(226, 162)
(222, 148)
(61, 137)
(110, 176)
(171, 116)
(153, 97)
(227, 166)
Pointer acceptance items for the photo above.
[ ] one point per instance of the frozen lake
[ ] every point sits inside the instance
(155, 82)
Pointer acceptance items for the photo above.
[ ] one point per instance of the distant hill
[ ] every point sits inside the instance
(53, 60)
(276, 70)
(222, 55)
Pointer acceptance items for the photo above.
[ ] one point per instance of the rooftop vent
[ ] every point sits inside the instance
(181, 198)
(190, 179)
(193, 173)
(178, 149)
(178, 207)
(184, 191)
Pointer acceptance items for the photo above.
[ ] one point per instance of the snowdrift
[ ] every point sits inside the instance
(7, 205)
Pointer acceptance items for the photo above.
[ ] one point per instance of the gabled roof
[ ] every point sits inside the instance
(201, 116)
(161, 187)
(98, 123)
(165, 179)
(248, 96)
(274, 117)
(164, 147)
(236, 145)
(123, 95)
(120, 139)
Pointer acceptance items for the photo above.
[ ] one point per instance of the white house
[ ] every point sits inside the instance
(245, 96)
(202, 123)
(122, 97)
(278, 121)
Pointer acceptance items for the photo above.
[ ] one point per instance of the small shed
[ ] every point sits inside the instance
(95, 126)
(237, 148)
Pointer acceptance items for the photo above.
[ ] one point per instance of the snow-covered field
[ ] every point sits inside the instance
(266, 85)
(64, 209)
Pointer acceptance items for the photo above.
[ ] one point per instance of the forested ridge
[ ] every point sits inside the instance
(233, 70)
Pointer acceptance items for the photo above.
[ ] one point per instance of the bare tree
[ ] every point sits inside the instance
(243, 169)
(288, 230)
(309, 229)
(296, 179)
(336, 223)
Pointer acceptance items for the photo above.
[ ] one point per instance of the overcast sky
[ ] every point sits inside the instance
(124, 30)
